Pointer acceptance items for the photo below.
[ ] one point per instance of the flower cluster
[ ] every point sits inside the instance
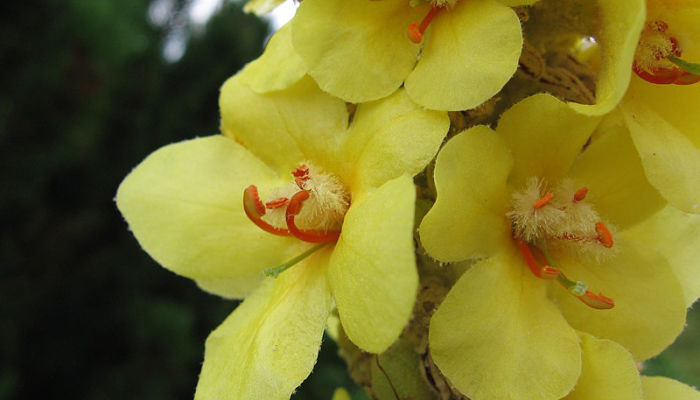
(496, 199)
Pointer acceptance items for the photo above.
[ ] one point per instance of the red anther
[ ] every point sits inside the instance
(675, 47)
(659, 26)
(545, 272)
(311, 235)
(659, 76)
(597, 301)
(255, 209)
(276, 203)
(580, 194)
(604, 236)
(543, 201)
(416, 30)
(301, 175)
(687, 78)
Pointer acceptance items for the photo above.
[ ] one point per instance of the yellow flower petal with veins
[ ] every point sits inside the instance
(662, 388)
(277, 68)
(470, 174)
(376, 242)
(269, 344)
(497, 336)
(608, 372)
(471, 52)
(183, 204)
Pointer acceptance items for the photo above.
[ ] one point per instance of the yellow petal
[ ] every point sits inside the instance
(621, 22)
(670, 160)
(269, 344)
(611, 170)
(608, 372)
(341, 394)
(287, 127)
(373, 269)
(277, 68)
(676, 235)
(356, 50)
(545, 136)
(468, 218)
(184, 205)
(662, 388)
(261, 7)
(391, 137)
(497, 335)
(470, 52)
(675, 104)
(649, 310)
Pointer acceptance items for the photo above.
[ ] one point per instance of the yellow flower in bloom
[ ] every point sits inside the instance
(333, 197)
(549, 226)
(364, 50)
(661, 110)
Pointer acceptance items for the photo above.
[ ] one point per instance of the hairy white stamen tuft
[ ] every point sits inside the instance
(562, 223)
(323, 210)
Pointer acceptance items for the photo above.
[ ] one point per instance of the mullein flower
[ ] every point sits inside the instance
(548, 228)
(660, 108)
(292, 190)
(451, 54)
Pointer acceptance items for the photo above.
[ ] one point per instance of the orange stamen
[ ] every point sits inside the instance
(597, 301)
(545, 272)
(255, 209)
(543, 201)
(604, 236)
(416, 30)
(311, 235)
(580, 194)
(301, 175)
(276, 203)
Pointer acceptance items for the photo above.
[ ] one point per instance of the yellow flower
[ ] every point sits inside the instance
(551, 229)
(663, 119)
(360, 50)
(186, 206)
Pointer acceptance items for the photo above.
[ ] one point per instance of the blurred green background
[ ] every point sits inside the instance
(85, 94)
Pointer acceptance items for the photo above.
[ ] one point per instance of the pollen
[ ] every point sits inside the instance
(655, 44)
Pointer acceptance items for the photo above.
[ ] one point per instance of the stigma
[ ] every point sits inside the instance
(657, 58)
(562, 219)
(311, 207)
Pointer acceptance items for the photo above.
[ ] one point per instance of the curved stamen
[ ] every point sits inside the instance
(310, 235)
(545, 272)
(416, 30)
(255, 209)
(543, 201)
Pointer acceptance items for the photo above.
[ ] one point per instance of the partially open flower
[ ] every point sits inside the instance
(548, 225)
(361, 50)
(660, 108)
(294, 191)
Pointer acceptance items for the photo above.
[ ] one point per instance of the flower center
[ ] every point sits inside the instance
(559, 219)
(656, 59)
(417, 30)
(311, 207)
